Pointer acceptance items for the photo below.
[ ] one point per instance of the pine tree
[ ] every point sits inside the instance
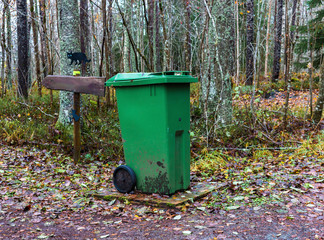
(316, 28)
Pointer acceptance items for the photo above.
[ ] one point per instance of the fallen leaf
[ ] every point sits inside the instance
(200, 227)
(201, 208)
(232, 207)
(42, 236)
(178, 217)
(104, 236)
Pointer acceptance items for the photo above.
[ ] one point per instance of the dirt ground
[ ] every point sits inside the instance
(296, 218)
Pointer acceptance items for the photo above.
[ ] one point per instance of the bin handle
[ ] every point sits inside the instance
(175, 73)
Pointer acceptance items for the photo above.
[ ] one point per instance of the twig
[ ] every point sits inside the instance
(49, 115)
(251, 147)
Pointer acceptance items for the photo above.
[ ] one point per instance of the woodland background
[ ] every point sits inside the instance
(241, 51)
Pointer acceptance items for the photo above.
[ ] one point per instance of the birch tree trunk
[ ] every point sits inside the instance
(35, 40)
(277, 46)
(22, 32)
(69, 41)
(249, 42)
(126, 50)
(310, 61)
(219, 58)
(8, 46)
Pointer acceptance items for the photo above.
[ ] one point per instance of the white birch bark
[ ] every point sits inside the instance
(69, 41)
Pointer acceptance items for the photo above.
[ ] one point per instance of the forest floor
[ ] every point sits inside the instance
(41, 199)
(267, 195)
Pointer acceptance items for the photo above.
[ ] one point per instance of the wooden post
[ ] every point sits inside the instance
(76, 124)
(77, 132)
(77, 85)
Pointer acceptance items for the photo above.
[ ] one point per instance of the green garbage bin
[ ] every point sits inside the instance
(154, 115)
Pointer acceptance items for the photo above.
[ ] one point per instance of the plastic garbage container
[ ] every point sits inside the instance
(154, 115)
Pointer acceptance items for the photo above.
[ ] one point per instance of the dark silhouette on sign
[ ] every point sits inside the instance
(77, 57)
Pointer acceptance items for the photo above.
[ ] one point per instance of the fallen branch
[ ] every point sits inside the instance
(49, 115)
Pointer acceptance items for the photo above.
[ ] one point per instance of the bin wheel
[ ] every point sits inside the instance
(124, 179)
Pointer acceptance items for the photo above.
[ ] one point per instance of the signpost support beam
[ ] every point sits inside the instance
(77, 132)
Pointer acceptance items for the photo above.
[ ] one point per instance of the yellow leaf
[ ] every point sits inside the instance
(241, 13)
(248, 11)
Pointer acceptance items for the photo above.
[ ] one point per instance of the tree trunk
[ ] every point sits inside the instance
(43, 33)
(310, 47)
(167, 57)
(8, 46)
(267, 42)
(237, 53)
(110, 39)
(256, 57)
(109, 57)
(3, 51)
(292, 33)
(84, 33)
(219, 59)
(35, 40)
(126, 50)
(22, 32)
(320, 100)
(132, 42)
(150, 28)
(140, 34)
(157, 54)
(69, 41)
(249, 42)
(277, 46)
(287, 62)
(105, 41)
(187, 42)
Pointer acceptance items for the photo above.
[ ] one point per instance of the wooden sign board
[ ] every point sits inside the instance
(88, 85)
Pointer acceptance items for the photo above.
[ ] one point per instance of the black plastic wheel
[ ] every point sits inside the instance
(124, 179)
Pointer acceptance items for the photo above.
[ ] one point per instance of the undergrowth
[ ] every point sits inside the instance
(33, 123)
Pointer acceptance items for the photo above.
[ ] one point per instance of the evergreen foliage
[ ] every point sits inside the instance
(315, 30)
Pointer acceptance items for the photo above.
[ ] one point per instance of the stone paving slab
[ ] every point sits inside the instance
(197, 191)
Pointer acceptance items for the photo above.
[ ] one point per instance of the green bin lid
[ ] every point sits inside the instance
(135, 79)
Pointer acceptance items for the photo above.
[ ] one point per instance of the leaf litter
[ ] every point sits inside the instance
(284, 187)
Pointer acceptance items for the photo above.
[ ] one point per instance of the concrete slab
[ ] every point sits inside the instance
(197, 191)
